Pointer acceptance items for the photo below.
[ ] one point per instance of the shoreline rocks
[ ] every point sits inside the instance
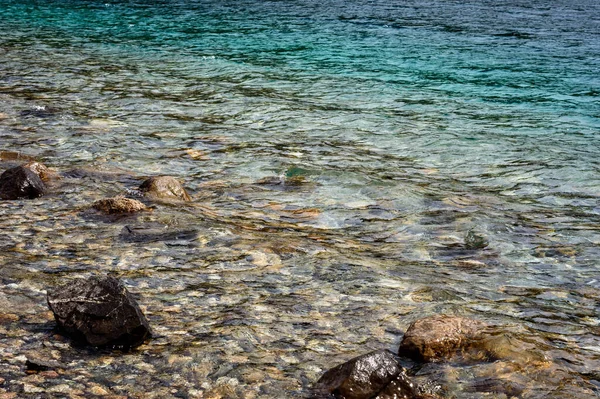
(100, 312)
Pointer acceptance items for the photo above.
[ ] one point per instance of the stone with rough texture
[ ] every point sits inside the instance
(118, 205)
(100, 312)
(20, 182)
(41, 170)
(366, 377)
(164, 187)
(439, 337)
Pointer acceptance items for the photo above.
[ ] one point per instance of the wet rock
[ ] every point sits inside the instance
(99, 311)
(164, 187)
(475, 240)
(117, 205)
(20, 182)
(439, 337)
(41, 170)
(365, 377)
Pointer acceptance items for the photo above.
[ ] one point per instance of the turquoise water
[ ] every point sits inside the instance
(408, 124)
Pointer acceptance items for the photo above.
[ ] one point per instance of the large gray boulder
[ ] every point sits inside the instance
(99, 311)
(20, 182)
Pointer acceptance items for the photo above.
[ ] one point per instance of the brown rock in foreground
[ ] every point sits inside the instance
(375, 374)
(164, 187)
(21, 182)
(439, 337)
(118, 205)
(99, 311)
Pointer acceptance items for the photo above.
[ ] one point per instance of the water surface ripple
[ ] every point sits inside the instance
(338, 153)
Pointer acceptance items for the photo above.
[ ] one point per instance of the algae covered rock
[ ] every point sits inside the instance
(439, 337)
(21, 182)
(164, 187)
(99, 311)
(475, 240)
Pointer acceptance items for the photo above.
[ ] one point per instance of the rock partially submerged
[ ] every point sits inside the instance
(41, 170)
(118, 205)
(375, 374)
(21, 182)
(439, 337)
(99, 311)
(164, 187)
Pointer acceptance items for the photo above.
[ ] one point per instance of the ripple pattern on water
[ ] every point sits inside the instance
(338, 153)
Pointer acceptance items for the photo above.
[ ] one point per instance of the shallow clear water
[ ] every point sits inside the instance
(407, 124)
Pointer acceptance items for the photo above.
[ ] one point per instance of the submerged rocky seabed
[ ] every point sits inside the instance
(353, 169)
(250, 294)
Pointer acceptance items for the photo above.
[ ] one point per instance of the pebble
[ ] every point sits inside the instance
(8, 317)
(49, 374)
(98, 390)
(28, 388)
(62, 388)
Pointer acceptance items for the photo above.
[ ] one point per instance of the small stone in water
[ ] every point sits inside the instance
(439, 337)
(365, 377)
(20, 182)
(100, 312)
(164, 187)
(118, 205)
(475, 240)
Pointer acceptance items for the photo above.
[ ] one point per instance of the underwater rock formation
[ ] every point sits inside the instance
(118, 205)
(439, 337)
(164, 187)
(475, 240)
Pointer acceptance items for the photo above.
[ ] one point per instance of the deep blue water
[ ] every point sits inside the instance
(412, 121)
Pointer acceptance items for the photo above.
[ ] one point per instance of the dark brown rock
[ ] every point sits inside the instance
(99, 311)
(117, 205)
(365, 377)
(439, 337)
(164, 187)
(20, 182)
